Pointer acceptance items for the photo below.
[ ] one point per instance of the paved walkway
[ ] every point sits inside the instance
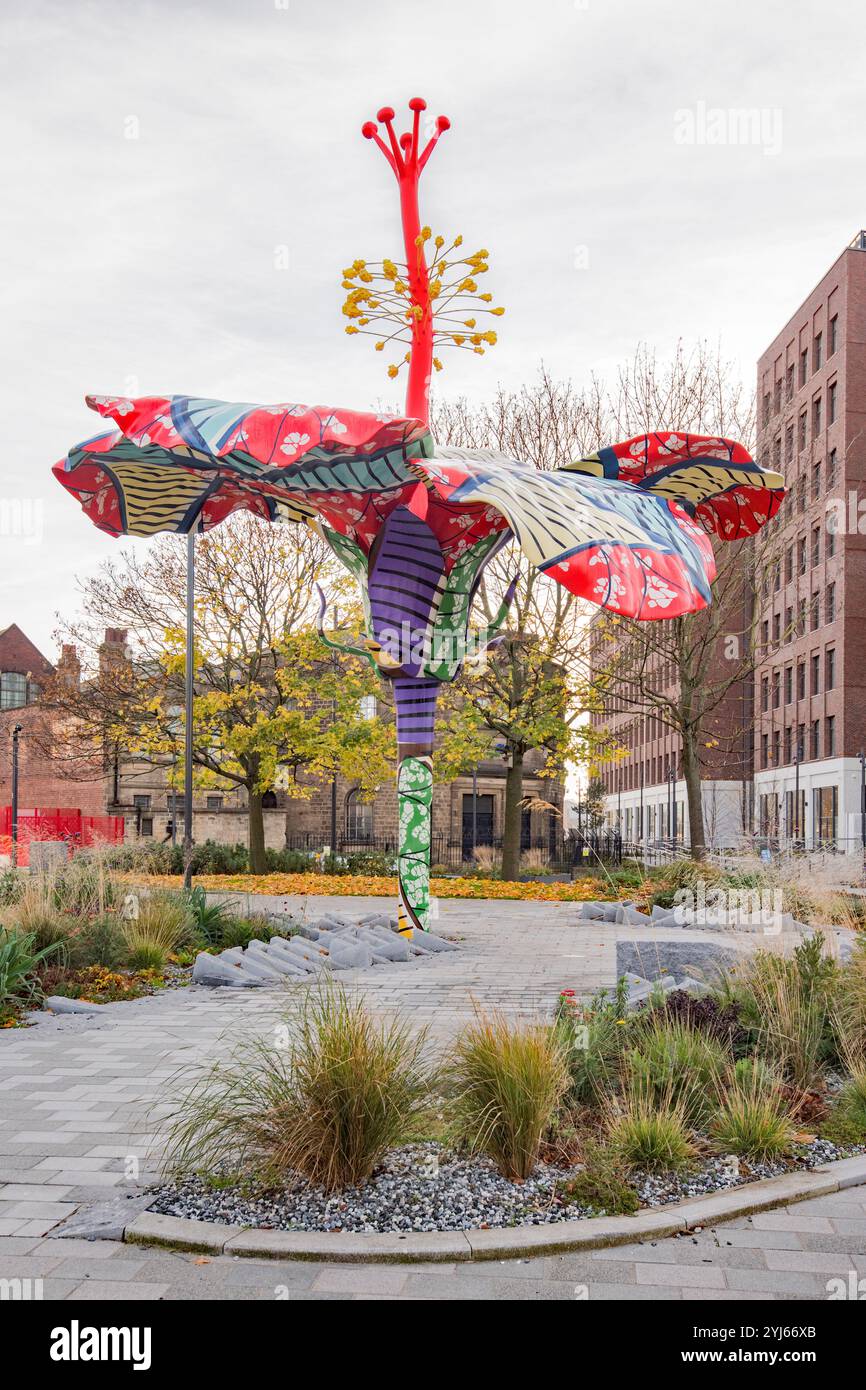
(800, 1252)
(83, 1099)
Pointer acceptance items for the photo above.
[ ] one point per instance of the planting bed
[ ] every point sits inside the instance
(423, 1187)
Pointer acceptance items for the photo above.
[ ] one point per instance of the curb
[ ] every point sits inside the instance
(596, 1232)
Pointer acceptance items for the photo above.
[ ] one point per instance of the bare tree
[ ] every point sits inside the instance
(683, 673)
(692, 675)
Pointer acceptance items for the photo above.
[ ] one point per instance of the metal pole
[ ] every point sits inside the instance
(335, 660)
(670, 805)
(797, 799)
(188, 705)
(474, 811)
(174, 799)
(674, 805)
(642, 829)
(15, 735)
(863, 806)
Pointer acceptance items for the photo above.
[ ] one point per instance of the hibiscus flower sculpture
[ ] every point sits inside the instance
(627, 528)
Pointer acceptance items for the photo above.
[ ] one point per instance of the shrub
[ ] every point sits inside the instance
(348, 1088)
(787, 1005)
(209, 919)
(290, 861)
(850, 1008)
(672, 1060)
(20, 958)
(84, 885)
(650, 1131)
(12, 883)
(508, 1085)
(163, 924)
(603, 1183)
(143, 953)
(592, 1037)
(212, 858)
(753, 1118)
(374, 862)
(36, 914)
(240, 931)
(97, 942)
(148, 857)
(708, 1015)
(847, 1120)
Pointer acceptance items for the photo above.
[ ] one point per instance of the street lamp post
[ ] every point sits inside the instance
(674, 804)
(642, 828)
(474, 812)
(16, 733)
(188, 707)
(863, 807)
(335, 661)
(797, 755)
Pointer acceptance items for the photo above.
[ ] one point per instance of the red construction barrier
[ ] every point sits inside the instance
(57, 823)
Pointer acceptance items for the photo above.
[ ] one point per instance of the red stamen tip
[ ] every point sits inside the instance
(442, 123)
(406, 140)
(368, 129)
(417, 104)
(385, 114)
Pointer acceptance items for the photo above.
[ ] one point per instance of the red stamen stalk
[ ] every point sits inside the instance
(407, 168)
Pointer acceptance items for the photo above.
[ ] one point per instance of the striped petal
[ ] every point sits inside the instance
(608, 542)
(715, 479)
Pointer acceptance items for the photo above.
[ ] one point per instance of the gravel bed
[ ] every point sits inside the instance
(716, 1174)
(425, 1188)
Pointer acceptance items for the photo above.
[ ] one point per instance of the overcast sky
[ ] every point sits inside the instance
(157, 155)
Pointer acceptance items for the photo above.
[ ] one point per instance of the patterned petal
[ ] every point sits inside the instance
(176, 462)
(608, 542)
(715, 479)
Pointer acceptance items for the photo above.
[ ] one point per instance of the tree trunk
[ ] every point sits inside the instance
(512, 817)
(257, 834)
(692, 777)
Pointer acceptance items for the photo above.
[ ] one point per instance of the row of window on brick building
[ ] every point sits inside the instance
(797, 374)
(805, 616)
(797, 743)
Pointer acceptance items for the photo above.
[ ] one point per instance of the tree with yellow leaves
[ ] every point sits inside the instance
(270, 704)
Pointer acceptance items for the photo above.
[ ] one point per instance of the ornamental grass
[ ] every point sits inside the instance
(327, 1105)
(508, 1082)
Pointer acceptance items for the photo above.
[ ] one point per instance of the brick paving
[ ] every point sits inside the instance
(740, 1261)
(82, 1100)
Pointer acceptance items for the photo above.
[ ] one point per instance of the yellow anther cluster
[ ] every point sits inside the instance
(406, 298)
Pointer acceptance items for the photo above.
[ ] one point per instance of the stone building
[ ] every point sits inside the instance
(117, 784)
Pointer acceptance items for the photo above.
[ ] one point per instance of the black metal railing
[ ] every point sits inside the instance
(550, 853)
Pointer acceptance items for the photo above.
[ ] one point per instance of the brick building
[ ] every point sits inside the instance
(23, 672)
(117, 784)
(810, 699)
(643, 786)
(796, 779)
